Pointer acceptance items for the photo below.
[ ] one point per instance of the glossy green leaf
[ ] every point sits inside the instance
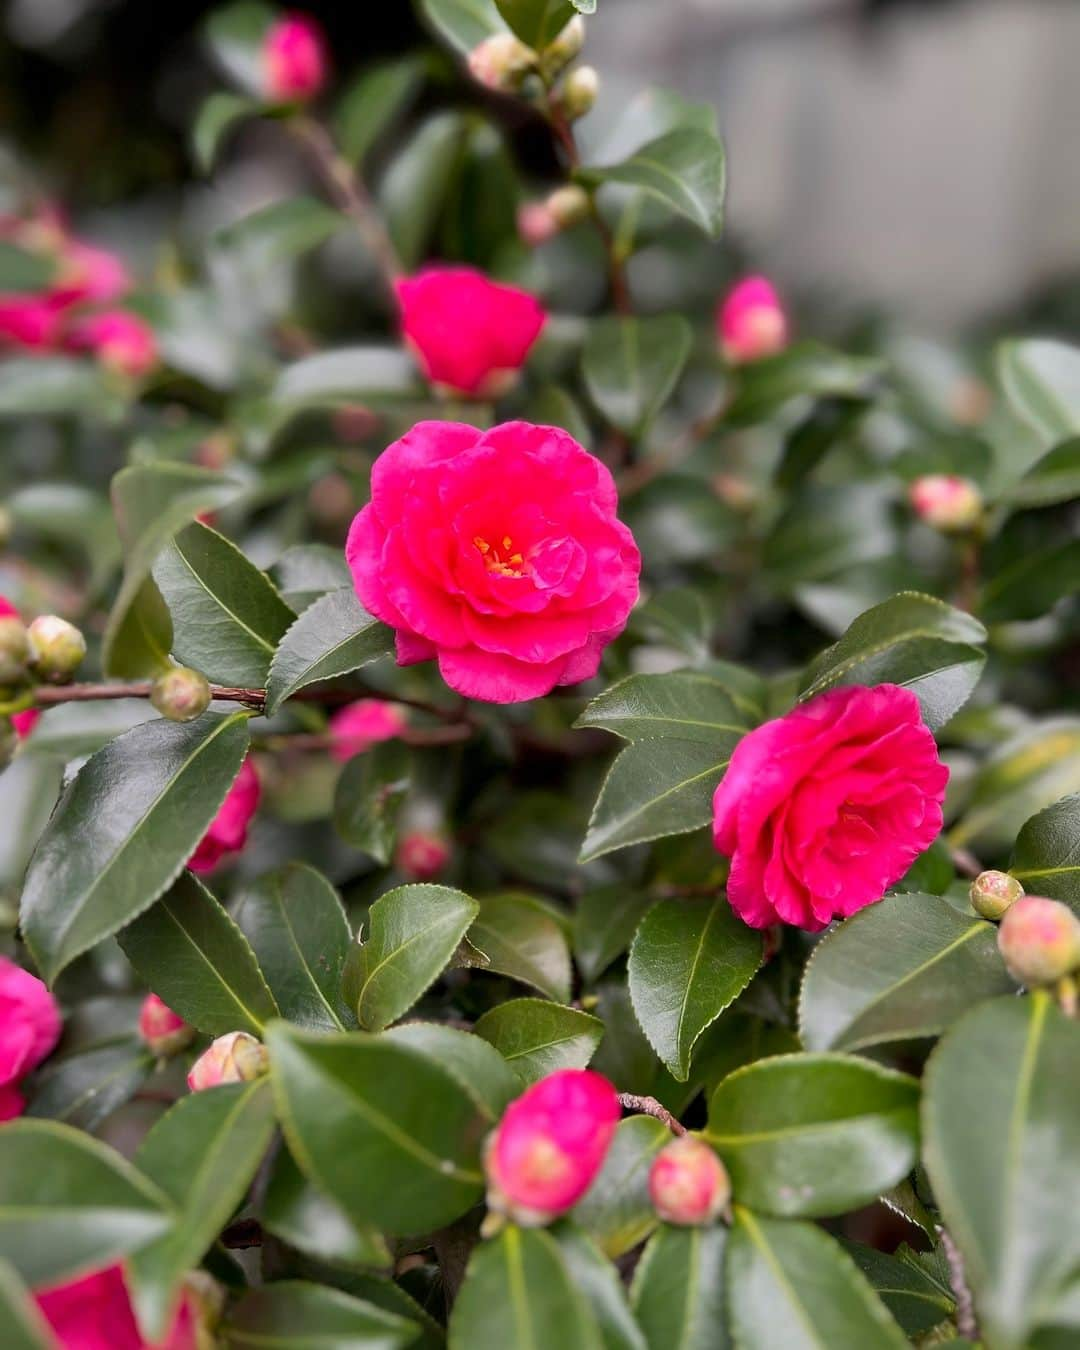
(24, 1327)
(683, 170)
(227, 616)
(68, 1203)
(75, 730)
(333, 636)
(1041, 380)
(84, 1089)
(681, 618)
(605, 921)
(296, 1315)
(306, 572)
(913, 1290)
(812, 1135)
(1052, 479)
(391, 1135)
(295, 1210)
(688, 705)
(690, 959)
(216, 118)
(1047, 853)
(803, 370)
(190, 951)
(536, 1037)
(519, 1290)
(679, 1293)
(333, 379)
(912, 640)
(898, 970)
(370, 794)
(1033, 584)
(656, 788)
(536, 22)
(203, 1153)
(1001, 1127)
(464, 24)
(477, 1066)
(300, 935)
(631, 366)
(123, 830)
(54, 386)
(373, 101)
(71, 516)
(29, 788)
(520, 938)
(278, 233)
(616, 1210)
(141, 640)
(598, 1279)
(792, 1285)
(412, 933)
(415, 189)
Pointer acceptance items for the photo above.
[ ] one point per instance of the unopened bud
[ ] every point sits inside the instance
(295, 64)
(1039, 940)
(422, 855)
(165, 1032)
(569, 206)
(992, 893)
(688, 1184)
(578, 92)
(57, 648)
(946, 502)
(535, 224)
(751, 322)
(14, 649)
(501, 62)
(549, 1146)
(558, 54)
(233, 1058)
(181, 694)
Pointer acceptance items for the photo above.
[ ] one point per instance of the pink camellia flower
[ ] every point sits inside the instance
(34, 322)
(235, 1057)
(498, 553)
(29, 1029)
(422, 855)
(751, 322)
(469, 333)
(25, 721)
(688, 1184)
(822, 810)
(946, 502)
(164, 1031)
(360, 725)
(94, 1312)
(121, 341)
(229, 828)
(90, 275)
(549, 1146)
(295, 63)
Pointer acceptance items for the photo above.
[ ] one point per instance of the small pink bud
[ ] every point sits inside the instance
(946, 502)
(688, 1184)
(233, 1058)
(751, 322)
(359, 726)
(1039, 940)
(422, 855)
(992, 893)
(163, 1030)
(501, 62)
(121, 341)
(549, 1146)
(535, 224)
(295, 63)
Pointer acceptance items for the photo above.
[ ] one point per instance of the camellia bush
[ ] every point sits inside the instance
(537, 799)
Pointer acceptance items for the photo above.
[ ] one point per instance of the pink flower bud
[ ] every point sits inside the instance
(688, 1184)
(946, 502)
(233, 1058)
(229, 828)
(751, 322)
(535, 224)
(1039, 940)
(359, 726)
(30, 1026)
(992, 893)
(501, 62)
(121, 341)
(164, 1031)
(295, 63)
(422, 855)
(549, 1145)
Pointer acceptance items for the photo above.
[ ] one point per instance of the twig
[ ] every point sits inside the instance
(418, 737)
(966, 1324)
(649, 1106)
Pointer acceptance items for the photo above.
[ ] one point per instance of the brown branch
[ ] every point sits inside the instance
(649, 1106)
(966, 1324)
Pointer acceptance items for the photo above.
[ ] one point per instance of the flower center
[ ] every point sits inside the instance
(501, 557)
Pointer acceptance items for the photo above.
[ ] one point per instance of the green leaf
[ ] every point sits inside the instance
(604, 925)
(598, 1279)
(520, 938)
(536, 1037)
(520, 1291)
(791, 1285)
(300, 935)
(684, 170)
(23, 272)
(415, 189)
(29, 788)
(334, 379)
(1042, 385)
(24, 1326)
(152, 503)
(1052, 479)
(203, 1153)
(803, 370)
(308, 1219)
(616, 1210)
(227, 616)
(813, 1135)
(74, 517)
(124, 829)
(413, 932)
(68, 1203)
(536, 22)
(76, 730)
(307, 571)
(141, 640)
(295, 1315)
(54, 386)
(899, 970)
(678, 1292)
(688, 705)
(334, 636)
(85, 1089)
(191, 953)
(463, 24)
(906, 1285)
(912, 640)
(1001, 1125)
(656, 788)
(681, 618)
(690, 959)
(675, 521)
(391, 1135)
(631, 366)
(282, 231)
(1047, 853)
(369, 796)
(216, 118)
(373, 101)
(1033, 584)
(477, 1066)
(235, 36)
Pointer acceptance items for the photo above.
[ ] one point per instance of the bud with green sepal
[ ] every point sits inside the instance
(502, 63)
(563, 49)
(992, 893)
(236, 1057)
(14, 650)
(181, 694)
(1039, 940)
(57, 648)
(577, 93)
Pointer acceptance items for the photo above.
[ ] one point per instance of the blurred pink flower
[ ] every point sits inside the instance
(751, 322)
(360, 725)
(228, 831)
(30, 1026)
(94, 1313)
(120, 340)
(295, 59)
